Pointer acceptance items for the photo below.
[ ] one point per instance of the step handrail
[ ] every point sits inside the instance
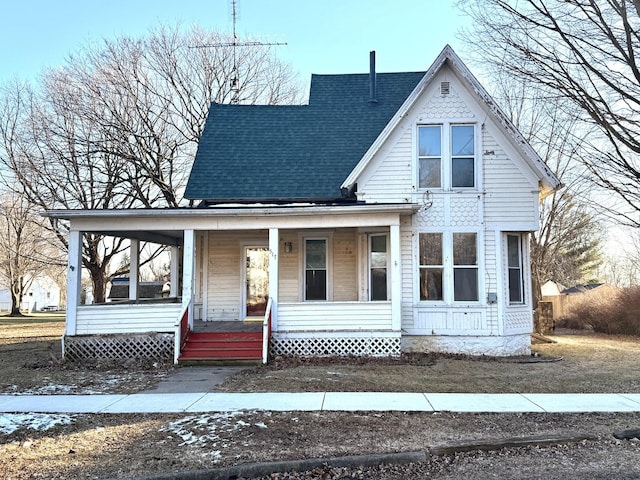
(266, 331)
(181, 332)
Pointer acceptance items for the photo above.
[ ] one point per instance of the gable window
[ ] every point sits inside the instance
(446, 156)
(315, 269)
(462, 156)
(430, 156)
(514, 262)
(431, 266)
(465, 267)
(378, 268)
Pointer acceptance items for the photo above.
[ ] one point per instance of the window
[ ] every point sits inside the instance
(462, 156)
(465, 267)
(429, 156)
(449, 267)
(431, 266)
(315, 269)
(514, 262)
(456, 144)
(378, 260)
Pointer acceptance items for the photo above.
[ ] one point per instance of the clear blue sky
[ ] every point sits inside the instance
(323, 36)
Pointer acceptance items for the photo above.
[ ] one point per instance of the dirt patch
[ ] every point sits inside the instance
(31, 363)
(577, 363)
(110, 446)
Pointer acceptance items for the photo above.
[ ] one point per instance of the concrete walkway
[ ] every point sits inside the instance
(321, 401)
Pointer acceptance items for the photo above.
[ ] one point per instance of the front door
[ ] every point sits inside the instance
(256, 281)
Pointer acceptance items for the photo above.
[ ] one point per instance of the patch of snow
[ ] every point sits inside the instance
(10, 422)
(203, 431)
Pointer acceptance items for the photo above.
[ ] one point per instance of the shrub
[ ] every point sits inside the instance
(612, 311)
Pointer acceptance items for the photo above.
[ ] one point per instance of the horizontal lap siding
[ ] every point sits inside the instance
(289, 269)
(345, 266)
(334, 316)
(510, 196)
(391, 176)
(108, 319)
(408, 268)
(224, 293)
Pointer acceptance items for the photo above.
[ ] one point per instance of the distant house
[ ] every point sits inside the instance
(390, 214)
(119, 290)
(564, 298)
(43, 294)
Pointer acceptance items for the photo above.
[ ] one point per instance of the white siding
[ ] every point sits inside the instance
(334, 316)
(127, 318)
(389, 177)
(510, 196)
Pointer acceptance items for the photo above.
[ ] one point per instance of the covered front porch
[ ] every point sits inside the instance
(319, 280)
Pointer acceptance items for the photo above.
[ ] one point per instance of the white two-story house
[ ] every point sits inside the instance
(392, 213)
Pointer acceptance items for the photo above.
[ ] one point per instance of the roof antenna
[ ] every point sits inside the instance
(235, 77)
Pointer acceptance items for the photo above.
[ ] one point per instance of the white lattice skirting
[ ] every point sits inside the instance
(345, 346)
(153, 346)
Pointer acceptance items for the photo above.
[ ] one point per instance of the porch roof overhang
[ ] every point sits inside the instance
(166, 226)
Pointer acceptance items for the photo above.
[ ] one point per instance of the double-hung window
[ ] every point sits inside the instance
(465, 267)
(378, 267)
(315, 269)
(448, 267)
(431, 266)
(446, 156)
(514, 263)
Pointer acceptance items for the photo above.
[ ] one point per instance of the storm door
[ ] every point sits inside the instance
(256, 280)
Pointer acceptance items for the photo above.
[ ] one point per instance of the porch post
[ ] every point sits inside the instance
(188, 264)
(74, 276)
(134, 267)
(274, 249)
(396, 278)
(173, 274)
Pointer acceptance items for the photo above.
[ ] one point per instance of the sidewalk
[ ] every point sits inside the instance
(322, 401)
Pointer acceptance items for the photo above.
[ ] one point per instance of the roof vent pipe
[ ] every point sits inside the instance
(372, 77)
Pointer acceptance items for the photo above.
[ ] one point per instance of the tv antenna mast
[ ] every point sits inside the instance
(235, 78)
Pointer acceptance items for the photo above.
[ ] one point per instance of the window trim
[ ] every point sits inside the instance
(446, 156)
(369, 266)
(328, 238)
(448, 286)
(520, 267)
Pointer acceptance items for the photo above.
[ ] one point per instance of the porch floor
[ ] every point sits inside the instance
(236, 326)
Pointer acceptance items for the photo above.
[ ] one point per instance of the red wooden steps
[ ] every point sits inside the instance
(222, 346)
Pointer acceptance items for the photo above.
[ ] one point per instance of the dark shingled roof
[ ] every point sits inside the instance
(257, 153)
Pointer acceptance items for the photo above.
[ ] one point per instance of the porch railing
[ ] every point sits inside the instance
(182, 330)
(266, 331)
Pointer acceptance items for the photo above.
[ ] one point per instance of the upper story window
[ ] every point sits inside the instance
(446, 156)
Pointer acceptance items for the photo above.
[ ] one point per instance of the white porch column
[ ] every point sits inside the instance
(134, 269)
(74, 277)
(396, 278)
(274, 249)
(188, 271)
(173, 274)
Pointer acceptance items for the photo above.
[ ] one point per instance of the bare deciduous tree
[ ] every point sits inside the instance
(26, 250)
(117, 126)
(585, 53)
